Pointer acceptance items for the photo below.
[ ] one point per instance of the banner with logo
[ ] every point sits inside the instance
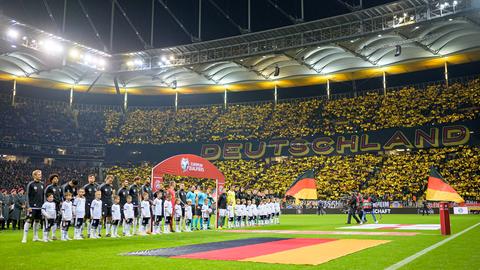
(465, 133)
(186, 165)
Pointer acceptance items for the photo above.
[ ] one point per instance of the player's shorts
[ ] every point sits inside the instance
(95, 223)
(66, 224)
(158, 219)
(145, 221)
(239, 218)
(168, 219)
(36, 214)
(129, 221)
(277, 214)
(106, 210)
(188, 221)
(48, 223)
(250, 218)
(222, 212)
(136, 213)
(183, 212)
(198, 211)
(230, 219)
(78, 223)
(87, 210)
(177, 219)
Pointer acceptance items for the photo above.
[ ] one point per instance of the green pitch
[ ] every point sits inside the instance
(460, 253)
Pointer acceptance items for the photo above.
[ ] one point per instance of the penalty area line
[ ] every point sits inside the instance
(428, 249)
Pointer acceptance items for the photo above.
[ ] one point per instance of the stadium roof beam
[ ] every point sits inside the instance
(251, 69)
(203, 75)
(92, 25)
(228, 18)
(417, 43)
(301, 62)
(49, 11)
(170, 12)
(350, 6)
(145, 45)
(283, 12)
(355, 53)
(320, 32)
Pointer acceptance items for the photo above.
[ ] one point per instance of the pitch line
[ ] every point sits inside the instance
(428, 249)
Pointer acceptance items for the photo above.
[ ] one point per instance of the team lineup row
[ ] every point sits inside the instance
(133, 206)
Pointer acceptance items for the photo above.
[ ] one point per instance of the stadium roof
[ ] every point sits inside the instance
(357, 45)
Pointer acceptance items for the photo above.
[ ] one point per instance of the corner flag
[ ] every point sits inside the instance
(438, 190)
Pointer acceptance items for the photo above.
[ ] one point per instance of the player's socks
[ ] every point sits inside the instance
(134, 226)
(26, 227)
(89, 229)
(54, 231)
(36, 226)
(108, 226)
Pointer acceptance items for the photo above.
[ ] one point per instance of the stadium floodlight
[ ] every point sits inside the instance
(74, 53)
(12, 33)
(51, 46)
(379, 35)
(24, 38)
(455, 3)
(172, 57)
(138, 62)
(102, 62)
(88, 58)
(130, 63)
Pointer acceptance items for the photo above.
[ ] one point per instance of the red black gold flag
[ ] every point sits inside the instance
(304, 187)
(438, 190)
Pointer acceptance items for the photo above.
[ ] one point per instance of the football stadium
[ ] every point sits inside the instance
(240, 134)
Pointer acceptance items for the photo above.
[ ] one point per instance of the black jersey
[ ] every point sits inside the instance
(182, 195)
(147, 189)
(67, 188)
(222, 201)
(107, 193)
(90, 190)
(35, 197)
(123, 193)
(56, 191)
(133, 191)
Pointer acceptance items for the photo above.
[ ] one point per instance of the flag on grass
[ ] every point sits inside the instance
(438, 190)
(304, 187)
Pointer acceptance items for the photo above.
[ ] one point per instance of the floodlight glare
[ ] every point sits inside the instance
(129, 63)
(12, 33)
(138, 62)
(51, 46)
(74, 53)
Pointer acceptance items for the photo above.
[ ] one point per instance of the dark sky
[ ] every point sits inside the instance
(167, 32)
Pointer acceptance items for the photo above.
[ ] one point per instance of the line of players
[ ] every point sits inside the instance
(245, 213)
(94, 206)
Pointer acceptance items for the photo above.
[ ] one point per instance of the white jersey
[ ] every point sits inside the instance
(230, 211)
(158, 207)
(254, 210)
(79, 207)
(116, 214)
(49, 210)
(238, 210)
(243, 208)
(188, 211)
(250, 210)
(145, 209)
(277, 207)
(272, 208)
(67, 212)
(167, 205)
(205, 212)
(96, 209)
(128, 210)
(178, 211)
(261, 210)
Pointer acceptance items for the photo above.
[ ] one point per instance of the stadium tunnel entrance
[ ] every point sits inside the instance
(188, 165)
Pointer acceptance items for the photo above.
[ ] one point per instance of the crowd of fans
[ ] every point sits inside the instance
(30, 121)
(14, 175)
(395, 176)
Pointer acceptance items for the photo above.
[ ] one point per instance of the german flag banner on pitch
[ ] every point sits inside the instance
(304, 187)
(438, 190)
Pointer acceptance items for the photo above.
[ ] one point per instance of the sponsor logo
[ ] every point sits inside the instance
(382, 211)
(186, 165)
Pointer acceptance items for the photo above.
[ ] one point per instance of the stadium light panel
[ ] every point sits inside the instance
(12, 33)
(74, 53)
(129, 63)
(138, 62)
(51, 46)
